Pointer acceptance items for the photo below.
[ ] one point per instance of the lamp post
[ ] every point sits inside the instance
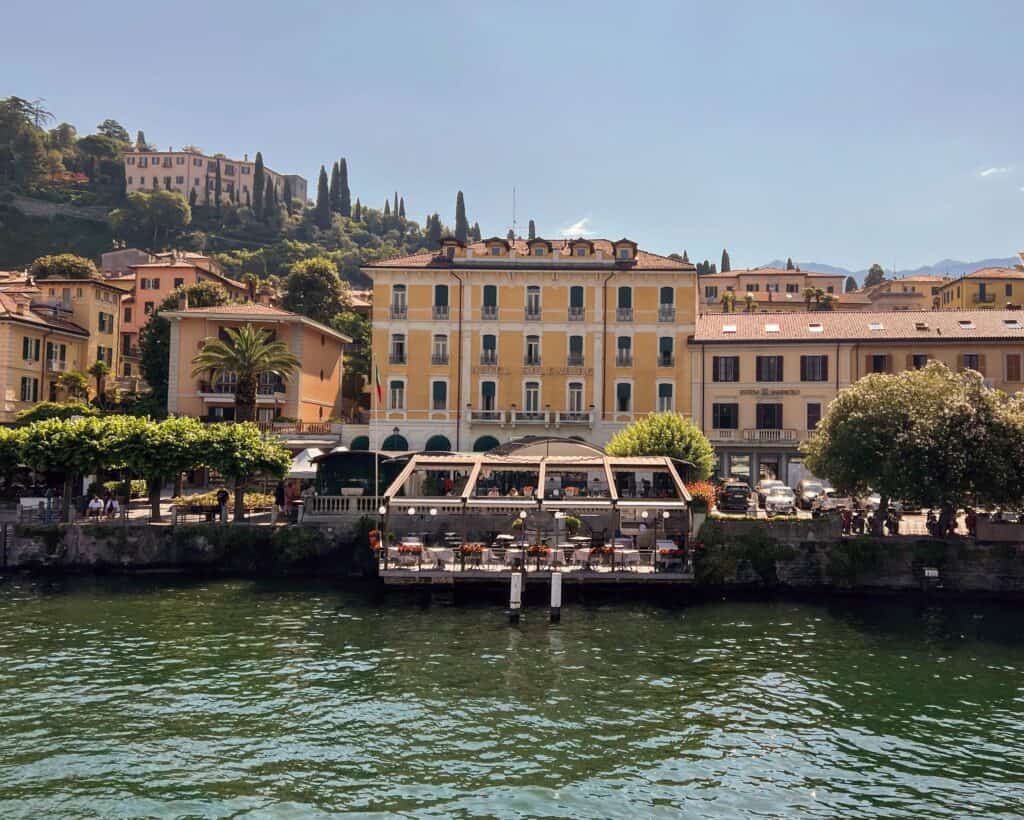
(381, 535)
(419, 555)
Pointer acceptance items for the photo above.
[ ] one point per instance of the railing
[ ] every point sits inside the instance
(56, 365)
(531, 314)
(666, 361)
(341, 505)
(399, 311)
(574, 360)
(623, 314)
(269, 389)
(531, 361)
(298, 427)
(440, 311)
(529, 417)
(577, 314)
(488, 311)
(487, 416)
(396, 358)
(489, 357)
(666, 313)
(723, 435)
(984, 298)
(439, 358)
(573, 417)
(623, 359)
(769, 436)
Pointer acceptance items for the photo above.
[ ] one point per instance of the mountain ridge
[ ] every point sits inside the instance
(944, 267)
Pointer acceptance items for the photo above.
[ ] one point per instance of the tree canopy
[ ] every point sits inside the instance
(666, 434)
(875, 276)
(63, 266)
(314, 289)
(149, 218)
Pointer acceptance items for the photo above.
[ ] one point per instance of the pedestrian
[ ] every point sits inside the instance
(95, 507)
(113, 507)
(278, 502)
(971, 522)
(847, 521)
(222, 504)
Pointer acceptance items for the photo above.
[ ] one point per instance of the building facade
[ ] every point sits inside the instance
(191, 173)
(984, 289)
(95, 306)
(476, 345)
(761, 383)
(312, 394)
(773, 289)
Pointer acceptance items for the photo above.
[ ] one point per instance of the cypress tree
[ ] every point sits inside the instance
(216, 186)
(387, 214)
(259, 181)
(789, 264)
(334, 192)
(461, 223)
(395, 209)
(713, 269)
(192, 198)
(269, 209)
(288, 195)
(401, 208)
(511, 235)
(140, 142)
(345, 200)
(725, 261)
(434, 231)
(322, 214)
(532, 231)
(474, 232)
(686, 256)
(851, 284)
(357, 214)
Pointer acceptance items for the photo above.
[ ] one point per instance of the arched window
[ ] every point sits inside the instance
(359, 443)
(485, 443)
(488, 391)
(395, 442)
(667, 297)
(438, 443)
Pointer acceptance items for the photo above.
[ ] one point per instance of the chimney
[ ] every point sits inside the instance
(20, 305)
(183, 301)
(246, 157)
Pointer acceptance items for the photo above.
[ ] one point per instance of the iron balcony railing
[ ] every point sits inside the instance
(440, 312)
(439, 358)
(623, 359)
(624, 314)
(489, 357)
(396, 358)
(577, 313)
(488, 311)
(399, 311)
(666, 313)
(532, 314)
(575, 360)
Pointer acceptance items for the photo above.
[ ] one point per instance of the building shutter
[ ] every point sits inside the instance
(910, 361)
(867, 363)
(981, 364)
(1013, 367)
(959, 361)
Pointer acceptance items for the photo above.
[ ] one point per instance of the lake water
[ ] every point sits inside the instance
(241, 698)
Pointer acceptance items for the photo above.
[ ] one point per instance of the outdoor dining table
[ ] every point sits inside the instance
(626, 557)
(581, 555)
(439, 556)
(514, 556)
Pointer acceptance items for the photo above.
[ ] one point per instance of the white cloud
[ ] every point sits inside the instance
(577, 229)
(992, 171)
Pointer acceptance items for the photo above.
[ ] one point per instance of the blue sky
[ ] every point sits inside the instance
(840, 132)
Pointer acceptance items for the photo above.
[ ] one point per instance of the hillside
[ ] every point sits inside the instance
(944, 267)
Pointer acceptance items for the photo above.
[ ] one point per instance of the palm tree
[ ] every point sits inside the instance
(247, 354)
(819, 294)
(750, 306)
(828, 302)
(74, 384)
(728, 301)
(99, 370)
(808, 296)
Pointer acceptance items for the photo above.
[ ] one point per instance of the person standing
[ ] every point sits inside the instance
(222, 503)
(279, 499)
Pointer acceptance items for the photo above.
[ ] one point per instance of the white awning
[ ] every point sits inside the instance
(302, 464)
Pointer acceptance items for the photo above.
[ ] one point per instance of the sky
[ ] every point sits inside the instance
(845, 133)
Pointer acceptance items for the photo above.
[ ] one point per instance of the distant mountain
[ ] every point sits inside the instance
(944, 267)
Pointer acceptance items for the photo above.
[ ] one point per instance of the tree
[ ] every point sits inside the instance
(531, 230)
(240, 453)
(157, 451)
(395, 209)
(10, 452)
(345, 204)
(314, 289)
(288, 195)
(686, 256)
(828, 301)
(140, 142)
(728, 301)
(725, 261)
(216, 186)
(808, 297)
(851, 284)
(155, 337)
(387, 213)
(269, 202)
(322, 212)
(74, 384)
(112, 129)
(875, 276)
(151, 217)
(434, 232)
(99, 370)
(259, 181)
(401, 208)
(357, 214)
(749, 303)
(63, 266)
(789, 263)
(192, 198)
(357, 354)
(56, 410)
(334, 189)
(461, 223)
(247, 353)
(665, 434)
(474, 232)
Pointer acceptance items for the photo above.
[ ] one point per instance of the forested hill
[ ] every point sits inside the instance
(48, 162)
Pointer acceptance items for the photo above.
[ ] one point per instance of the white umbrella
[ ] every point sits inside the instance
(302, 464)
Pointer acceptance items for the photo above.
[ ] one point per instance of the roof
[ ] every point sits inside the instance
(729, 274)
(995, 273)
(893, 326)
(253, 311)
(645, 260)
(185, 263)
(35, 316)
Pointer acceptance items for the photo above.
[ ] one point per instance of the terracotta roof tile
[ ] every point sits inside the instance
(810, 274)
(248, 309)
(995, 273)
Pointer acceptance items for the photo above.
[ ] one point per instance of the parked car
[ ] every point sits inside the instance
(734, 498)
(764, 486)
(808, 489)
(780, 501)
(871, 502)
(830, 500)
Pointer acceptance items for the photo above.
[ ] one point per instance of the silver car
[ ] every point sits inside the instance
(780, 501)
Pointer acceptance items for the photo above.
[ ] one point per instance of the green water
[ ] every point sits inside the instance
(240, 698)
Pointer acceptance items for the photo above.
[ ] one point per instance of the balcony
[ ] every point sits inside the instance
(489, 357)
(624, 314)
(489, 312)
(770, 436)
(577, 314)
(573, 417)
(574, 360)
(396, 358)
(399, 311)
(439, 358)
(723, 435)
(666, 313)
(623, 359)
(440, 311)
(531, 360)
(487, 416)
(531, 314)
(130, 352)
(529, 417)
(666, 361)
(983, 298)
(56, 366)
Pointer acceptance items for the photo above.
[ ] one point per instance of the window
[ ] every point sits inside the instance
(667, 297)
(179, 180)
(130, 160)
(576, 308)
(179, 282)
(167, 182)
(1008, 290)
(815, 327)
(814, 368)
(830, 289)
(538, 250)
(489, 309)
(813, 414)
(143, 162)
(398, 296)
(142, 180)
(710, 292)
(495, 250)
(1013, 367)
(155, 284)
(147, 308)
(488, 349)
(769, 368)
(753, 287)
(105, 354)
(625, 297)
(725, 368)
(575, 351)
(129, 180)
(439, 395)
(581, 251)
(179, 160)
(769, 416)
(878, 363)
(919, 360)
(531, 397)
(398, 348)
(664, 397)
(532, 350)
(533, 302)
(725, 415)
(665, 357)
(29, 389)
(143, 284)
(624, 253)
(397, 395)
(623, 397)
(792, 287)
(441, 295)
(488, 390)
(106, 321)
(972, 361)
(450, 251)
(439, 354)
(624, 351)
(30, 349)
(575, 397)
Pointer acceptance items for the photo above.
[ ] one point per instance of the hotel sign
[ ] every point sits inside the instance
(491, 370)
(765, 391)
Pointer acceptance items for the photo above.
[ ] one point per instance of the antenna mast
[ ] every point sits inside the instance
(515, 233)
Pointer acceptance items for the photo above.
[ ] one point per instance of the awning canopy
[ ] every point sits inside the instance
(302, 464)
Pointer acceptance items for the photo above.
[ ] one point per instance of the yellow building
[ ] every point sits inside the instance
(921, 292)
(773, 289)
(313, 394)
(482, 343)
(37, 344)
(761, 383)
(93, 304)
(988, 288)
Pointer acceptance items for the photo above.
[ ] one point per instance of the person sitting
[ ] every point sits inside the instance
(113, 507)
(95, 507)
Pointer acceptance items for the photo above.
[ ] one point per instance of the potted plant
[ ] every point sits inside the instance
(572, 524)
(702, 496)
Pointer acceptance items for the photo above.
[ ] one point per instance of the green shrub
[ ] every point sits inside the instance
(139, 489)
(853, 556)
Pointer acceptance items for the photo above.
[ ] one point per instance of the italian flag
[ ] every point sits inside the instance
(380, 389)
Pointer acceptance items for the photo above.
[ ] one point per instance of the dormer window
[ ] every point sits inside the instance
(581, 251)
(495, 250)
(624, 253)
(966, 324)
(450, 251)
(538, 251)
(815, 327)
